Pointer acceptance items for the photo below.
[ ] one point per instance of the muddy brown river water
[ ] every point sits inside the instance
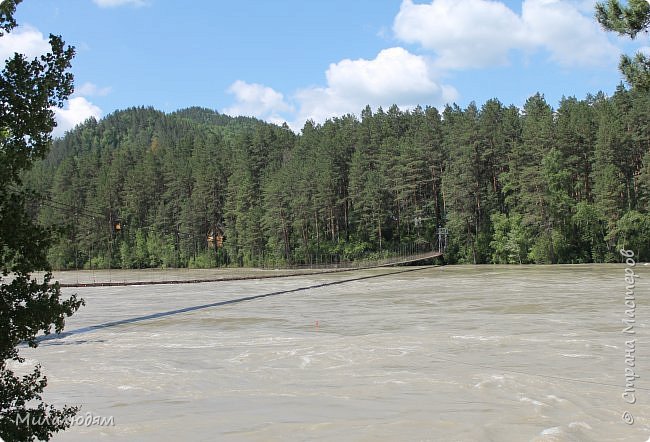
(456, 353)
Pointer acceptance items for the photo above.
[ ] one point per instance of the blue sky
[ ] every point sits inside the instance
(296, 60)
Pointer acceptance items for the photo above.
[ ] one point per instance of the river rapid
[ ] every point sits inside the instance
(455, 353)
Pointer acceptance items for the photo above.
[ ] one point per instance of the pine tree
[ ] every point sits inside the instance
(527, 185)
(368, 186)
(464, 182)
(628, 20)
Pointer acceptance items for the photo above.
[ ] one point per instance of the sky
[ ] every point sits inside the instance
(290, 61)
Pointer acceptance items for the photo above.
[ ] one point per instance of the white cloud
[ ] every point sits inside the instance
(587, 7)
(24, 40)
(571, 38)
(395, 76)
(463, 33)
(481, 33)
(77, 110)
(31, 42)
(91, 90)
(256, 100)
(115, 3)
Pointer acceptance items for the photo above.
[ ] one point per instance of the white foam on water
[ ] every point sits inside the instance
(477, 338)
(492, 380)
(584, 425)
(532, 401)
(553, 431)
(239, 359)
(575, 355)
(306, 360)
(390, 381)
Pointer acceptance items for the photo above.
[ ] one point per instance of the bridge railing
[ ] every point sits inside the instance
(394, 255)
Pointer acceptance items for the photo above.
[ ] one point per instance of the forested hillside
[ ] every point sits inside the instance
(142, 188)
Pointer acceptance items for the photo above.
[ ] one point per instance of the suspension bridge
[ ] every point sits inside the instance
(420, 258)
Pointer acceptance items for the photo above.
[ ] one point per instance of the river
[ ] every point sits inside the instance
(455, 353)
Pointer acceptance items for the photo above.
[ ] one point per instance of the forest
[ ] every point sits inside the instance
(194, 188)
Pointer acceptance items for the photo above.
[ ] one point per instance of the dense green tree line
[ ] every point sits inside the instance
(530, 185)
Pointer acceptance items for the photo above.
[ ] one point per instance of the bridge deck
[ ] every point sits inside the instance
(302, 271)
(412, 259)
